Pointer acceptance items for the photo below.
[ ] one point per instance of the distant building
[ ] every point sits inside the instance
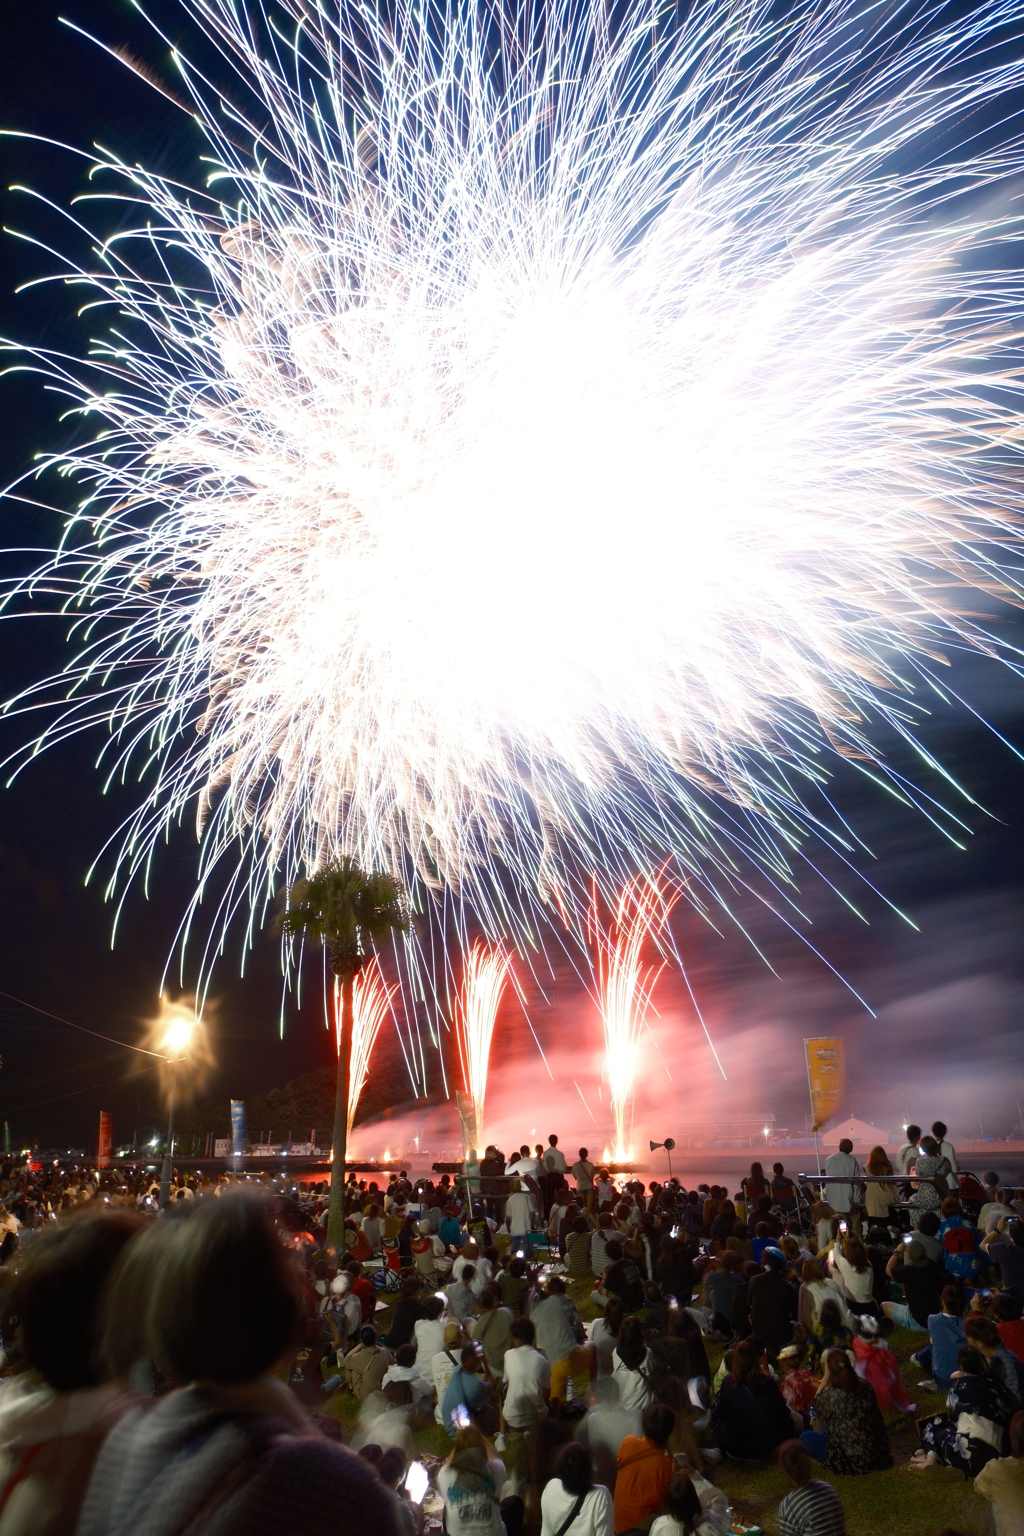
(863, 1135)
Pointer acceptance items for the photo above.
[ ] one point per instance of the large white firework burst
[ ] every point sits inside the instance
(553, 433)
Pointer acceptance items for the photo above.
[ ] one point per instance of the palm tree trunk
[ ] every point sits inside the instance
(336, 1206)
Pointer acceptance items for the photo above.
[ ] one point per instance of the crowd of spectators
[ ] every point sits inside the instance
(186, 1373)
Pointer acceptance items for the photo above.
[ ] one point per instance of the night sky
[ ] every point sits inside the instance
(948, 997)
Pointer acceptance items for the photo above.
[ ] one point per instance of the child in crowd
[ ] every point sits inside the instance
(827, 1333)
(877, 1364)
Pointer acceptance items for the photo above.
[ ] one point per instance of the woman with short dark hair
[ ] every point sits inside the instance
(572, 1503)
(749, 1417)
(55, 1414)
(231, 1450)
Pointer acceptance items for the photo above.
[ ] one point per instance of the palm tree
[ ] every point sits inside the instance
(349, 912)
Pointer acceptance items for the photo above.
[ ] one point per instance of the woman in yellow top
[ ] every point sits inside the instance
(881, 1201)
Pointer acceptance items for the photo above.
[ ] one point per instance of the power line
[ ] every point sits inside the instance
(95, 1032)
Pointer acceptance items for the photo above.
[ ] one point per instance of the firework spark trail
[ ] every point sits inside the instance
(579, 431)
(485, 971)
(371, 1004)
(624, 987)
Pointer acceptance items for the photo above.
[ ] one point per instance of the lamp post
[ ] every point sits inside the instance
(175, 1043)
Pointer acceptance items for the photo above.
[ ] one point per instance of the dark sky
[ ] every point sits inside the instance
(949, 996)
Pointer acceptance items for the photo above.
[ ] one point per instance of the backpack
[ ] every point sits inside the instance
(960, 1240)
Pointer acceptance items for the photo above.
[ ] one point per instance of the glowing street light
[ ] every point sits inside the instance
(174, 1034)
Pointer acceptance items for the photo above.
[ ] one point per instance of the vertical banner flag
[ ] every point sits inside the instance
(106, 1141)
(237, 1127)
(826, 1078)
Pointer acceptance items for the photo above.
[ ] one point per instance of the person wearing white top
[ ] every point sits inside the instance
(573, 1493)
(633, 1367)
(519, 1213)
(444, 1364)
(604, 1338)
(528, 1378)
(857, 1284)
(524, 1163)
(948, 1151)
(470, 1484)
(428, 1336)
(483, 1274)
(712, 1501)
(406, 1369)
(554, 1159)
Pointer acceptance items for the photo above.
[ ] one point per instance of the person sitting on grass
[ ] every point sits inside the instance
(572, 1501)
(813, 1507)
(1005, 1247)
(621, 1278)
(633, 1367)
(749, 1417)
(1007, 1310)
(684, 1513)
(829, 1332)
(984, 1335)
(961, 1242)
(814, 1292)
(877, 1364)
(1001, 1480)
(798, 1385)
(720, 1287)
(946, 1331)
(645, 1469)
(852, 1438)
(470, 1484)
(471, 1388)
(961, 1441)
(923, 1282)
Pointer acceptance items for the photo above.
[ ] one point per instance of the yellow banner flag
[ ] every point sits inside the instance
(826, 1078)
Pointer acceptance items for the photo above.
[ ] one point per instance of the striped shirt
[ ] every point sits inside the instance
(812, 1511)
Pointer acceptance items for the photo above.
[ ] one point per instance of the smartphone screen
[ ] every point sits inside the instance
(416, 1482)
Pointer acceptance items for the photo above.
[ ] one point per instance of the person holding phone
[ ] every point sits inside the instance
(470, 1483)
(473, 1388)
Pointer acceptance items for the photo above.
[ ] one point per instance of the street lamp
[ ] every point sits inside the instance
(174, 1045)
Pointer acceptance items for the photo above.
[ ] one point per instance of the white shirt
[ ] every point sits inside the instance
(634, 1391)
(441, 1370)
(483, 1274)
(601, 1336)
(948, 1151)
(908, 1155)
(527, 1373)
(518, 1213)
(554, 1160)
(421, 1387)
(858, 1287)
(840, 1196)
(594, 1518)
(428, 1336)
(523, 1165)
(473, 1511)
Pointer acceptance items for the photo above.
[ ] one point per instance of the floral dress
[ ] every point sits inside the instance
(857, 1438)
(974, 1430)
(926, 1197)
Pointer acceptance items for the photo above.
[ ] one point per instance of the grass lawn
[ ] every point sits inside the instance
(895, 1503)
